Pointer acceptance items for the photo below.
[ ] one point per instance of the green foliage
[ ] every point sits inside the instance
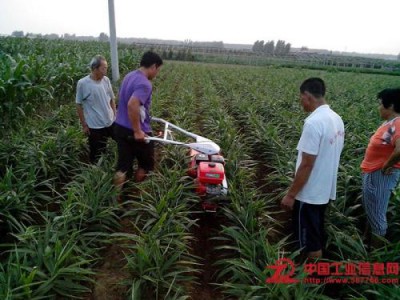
(57, 213)
(37, 74)
(254, 113)
(45, 262)
(160, 261)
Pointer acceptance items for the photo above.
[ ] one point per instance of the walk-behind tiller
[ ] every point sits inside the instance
(206, 165)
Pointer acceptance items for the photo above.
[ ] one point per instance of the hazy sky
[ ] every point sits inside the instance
(343, 25)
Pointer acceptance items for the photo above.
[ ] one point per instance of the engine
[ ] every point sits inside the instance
(210, 180)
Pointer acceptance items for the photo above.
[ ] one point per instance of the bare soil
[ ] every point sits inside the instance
(209, 225)
(111, 274)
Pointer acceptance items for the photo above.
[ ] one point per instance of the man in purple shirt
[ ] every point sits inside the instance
(132, 124)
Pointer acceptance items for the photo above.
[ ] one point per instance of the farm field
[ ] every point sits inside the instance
(63, 235)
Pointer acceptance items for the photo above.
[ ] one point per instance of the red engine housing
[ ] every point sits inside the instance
(209, 174)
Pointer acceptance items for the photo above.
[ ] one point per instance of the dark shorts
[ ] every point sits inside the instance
(98, 141)
(129, 150)
(308, 225)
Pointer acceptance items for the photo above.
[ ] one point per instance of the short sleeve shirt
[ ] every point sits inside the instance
(381, 146)
(322, 136)
(95, 97)
(135, 84)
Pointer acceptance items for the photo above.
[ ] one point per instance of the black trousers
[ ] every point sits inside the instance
(98, 141)
(309, 225)
(129, 150)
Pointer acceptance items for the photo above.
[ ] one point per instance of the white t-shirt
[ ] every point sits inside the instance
(95, 96)
(323, 136)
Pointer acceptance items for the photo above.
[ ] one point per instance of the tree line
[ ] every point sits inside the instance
(270, 48)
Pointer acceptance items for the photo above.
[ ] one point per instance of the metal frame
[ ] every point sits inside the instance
(202, 144)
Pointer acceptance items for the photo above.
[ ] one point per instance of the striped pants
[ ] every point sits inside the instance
(376, 191)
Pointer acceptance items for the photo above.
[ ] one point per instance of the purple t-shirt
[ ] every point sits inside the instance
(135, 84)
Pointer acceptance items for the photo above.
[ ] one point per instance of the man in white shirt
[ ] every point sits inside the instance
(314, 184)
(96, 106)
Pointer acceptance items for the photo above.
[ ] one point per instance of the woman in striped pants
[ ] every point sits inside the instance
(381, 164)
